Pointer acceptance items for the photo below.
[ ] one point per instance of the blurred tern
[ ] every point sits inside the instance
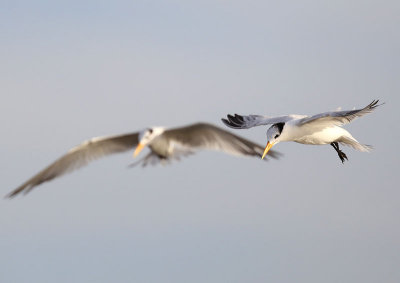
(165, 145)
(323, 128)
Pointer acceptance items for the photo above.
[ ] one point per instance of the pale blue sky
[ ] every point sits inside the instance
(71, 70)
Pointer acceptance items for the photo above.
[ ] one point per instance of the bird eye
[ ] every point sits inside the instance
(276, 136)
(150, 131)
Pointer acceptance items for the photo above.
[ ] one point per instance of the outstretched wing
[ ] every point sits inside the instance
(337, 118)
(245, 122)
(79, 156)
(206, 136)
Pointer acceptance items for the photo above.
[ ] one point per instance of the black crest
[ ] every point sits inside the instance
(280, 126)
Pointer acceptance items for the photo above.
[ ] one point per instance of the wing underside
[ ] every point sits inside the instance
(78, 157)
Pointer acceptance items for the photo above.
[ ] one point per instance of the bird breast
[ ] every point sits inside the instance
(161, 146)
(325, 136)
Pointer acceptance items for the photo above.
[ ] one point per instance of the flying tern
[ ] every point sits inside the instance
(323, 128)
(164, 144)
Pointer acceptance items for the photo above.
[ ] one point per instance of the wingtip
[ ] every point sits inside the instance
(374, 104)
(226, 122)
(239, 117)
(232, 122)
(235, 121)
(24, 189)
(382, 103)
(11, 195)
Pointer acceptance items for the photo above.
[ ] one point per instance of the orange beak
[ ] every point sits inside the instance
(138, 149)
(267, 148)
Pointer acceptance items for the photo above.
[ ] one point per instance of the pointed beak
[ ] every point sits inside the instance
(138, 149)
(267, 148)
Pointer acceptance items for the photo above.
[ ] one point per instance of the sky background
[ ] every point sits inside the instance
(71, 70)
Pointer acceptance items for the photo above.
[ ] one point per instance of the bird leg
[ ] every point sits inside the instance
(341, 154)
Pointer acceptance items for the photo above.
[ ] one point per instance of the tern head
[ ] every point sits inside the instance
(273, 136)
(146, 136)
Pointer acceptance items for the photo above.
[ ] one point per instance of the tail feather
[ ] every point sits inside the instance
(355, 144)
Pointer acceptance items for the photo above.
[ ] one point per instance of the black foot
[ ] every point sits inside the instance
(341, 154)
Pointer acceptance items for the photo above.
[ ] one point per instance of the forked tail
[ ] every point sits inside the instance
(355, 144)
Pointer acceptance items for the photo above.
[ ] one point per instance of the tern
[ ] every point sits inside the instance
(165, 145)
(319, 129)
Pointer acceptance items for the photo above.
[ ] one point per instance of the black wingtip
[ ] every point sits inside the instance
(239, 117)
(374, 104)
(235, 122)
(227, 123)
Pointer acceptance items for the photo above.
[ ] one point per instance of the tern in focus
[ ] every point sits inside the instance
(165, 145)
(323, 128)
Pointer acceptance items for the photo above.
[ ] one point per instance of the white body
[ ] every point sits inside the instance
(292, 132)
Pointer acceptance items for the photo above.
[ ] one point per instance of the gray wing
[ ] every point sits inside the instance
(79, 156)
(206, 136)
(337, 118)
(245, 122)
